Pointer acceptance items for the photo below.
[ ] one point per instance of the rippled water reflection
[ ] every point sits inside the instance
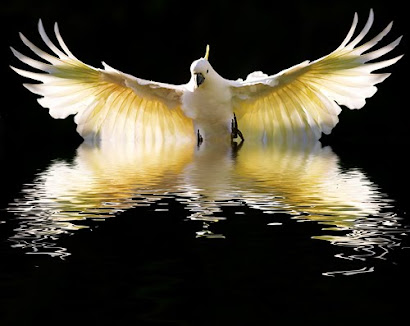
(304, 182)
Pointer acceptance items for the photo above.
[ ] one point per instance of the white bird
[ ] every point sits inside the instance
(297, 103)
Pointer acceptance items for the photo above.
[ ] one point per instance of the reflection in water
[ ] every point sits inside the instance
(305, 182)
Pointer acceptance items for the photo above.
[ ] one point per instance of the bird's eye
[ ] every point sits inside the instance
(207, 70)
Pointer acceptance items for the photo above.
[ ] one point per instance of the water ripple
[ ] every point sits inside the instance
(305, 183)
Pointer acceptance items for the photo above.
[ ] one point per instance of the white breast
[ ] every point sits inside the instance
(210, 108)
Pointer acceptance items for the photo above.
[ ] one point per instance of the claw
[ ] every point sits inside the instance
(235, 130)
(236, 148)
(199, 139)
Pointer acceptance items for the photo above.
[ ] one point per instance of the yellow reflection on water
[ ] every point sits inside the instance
(310, 180)
(305, 182)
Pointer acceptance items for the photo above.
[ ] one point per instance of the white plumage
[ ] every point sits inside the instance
(298, 103)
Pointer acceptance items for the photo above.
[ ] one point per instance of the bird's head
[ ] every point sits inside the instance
(201, 70)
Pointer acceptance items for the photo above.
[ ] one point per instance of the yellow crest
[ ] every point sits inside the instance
(207, 52)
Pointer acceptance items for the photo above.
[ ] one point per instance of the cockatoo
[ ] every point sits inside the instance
(299, 103)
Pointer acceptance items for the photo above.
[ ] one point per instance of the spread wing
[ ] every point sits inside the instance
(107, 103)
(303, 101)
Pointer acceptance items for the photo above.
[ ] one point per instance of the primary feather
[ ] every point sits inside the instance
(108, 103)
(304, 101)
(298, 103)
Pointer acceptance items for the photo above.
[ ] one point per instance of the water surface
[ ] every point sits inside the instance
(214, 184)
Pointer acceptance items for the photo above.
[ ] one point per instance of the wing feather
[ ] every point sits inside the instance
(364, 31)
(350, 33)
(48, 42)
(107, 103)
(303, 101)
(287, 123)
(304, 122)
(62, 43)
(368, 45)
(280, 130)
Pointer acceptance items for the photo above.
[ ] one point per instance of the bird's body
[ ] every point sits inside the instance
(210, 105)
(299, 103)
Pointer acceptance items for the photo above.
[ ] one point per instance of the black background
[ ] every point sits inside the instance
(248, 279)
(158, 40)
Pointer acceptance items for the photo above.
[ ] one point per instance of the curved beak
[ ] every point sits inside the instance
(199, 78)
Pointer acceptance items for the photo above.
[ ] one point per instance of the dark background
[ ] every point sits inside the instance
(158, 40)
(248, 279)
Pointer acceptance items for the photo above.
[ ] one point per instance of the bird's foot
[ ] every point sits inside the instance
(236, 148)
(199, 139)
(235, 132)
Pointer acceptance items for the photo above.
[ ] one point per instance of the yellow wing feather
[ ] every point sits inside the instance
(303, 101)
(108, 104)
